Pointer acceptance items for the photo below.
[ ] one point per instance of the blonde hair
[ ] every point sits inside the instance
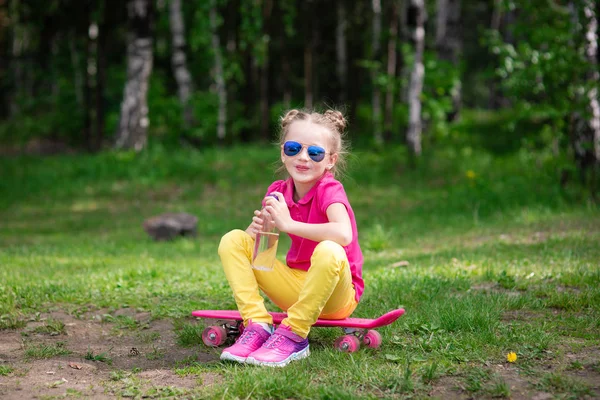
(333, 120)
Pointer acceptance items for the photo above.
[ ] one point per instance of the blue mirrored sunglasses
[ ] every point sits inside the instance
(316, 153)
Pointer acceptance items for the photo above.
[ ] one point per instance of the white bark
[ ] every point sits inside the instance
(133, 124)
(376, 94)
(341, 48)
(219, 78)
(179, 60)
(591, 52)
(416, 82)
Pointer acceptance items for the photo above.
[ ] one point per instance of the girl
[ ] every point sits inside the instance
(322, 276)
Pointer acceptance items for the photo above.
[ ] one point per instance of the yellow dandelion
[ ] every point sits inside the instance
(470, 174)
(511, 357)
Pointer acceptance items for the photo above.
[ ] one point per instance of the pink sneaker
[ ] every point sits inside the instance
(251, 339)
(282, 347)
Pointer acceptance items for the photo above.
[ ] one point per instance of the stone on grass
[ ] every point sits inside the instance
(168, 226)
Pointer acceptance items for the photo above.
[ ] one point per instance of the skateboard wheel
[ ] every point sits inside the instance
(214, 336)
(347, 343)
(372, 339)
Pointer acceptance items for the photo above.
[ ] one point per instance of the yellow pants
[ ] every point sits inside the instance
(325, 290)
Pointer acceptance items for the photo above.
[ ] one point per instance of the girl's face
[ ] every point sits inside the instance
(304, 170)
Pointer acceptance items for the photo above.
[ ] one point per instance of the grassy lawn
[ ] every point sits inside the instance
(488, 255)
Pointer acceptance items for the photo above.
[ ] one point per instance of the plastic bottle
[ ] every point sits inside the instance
(265, 246)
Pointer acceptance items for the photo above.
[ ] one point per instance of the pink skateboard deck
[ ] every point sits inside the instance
(359, 323)
(357, 329)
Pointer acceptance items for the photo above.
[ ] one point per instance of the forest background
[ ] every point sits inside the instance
(475, 134)
(91, 75)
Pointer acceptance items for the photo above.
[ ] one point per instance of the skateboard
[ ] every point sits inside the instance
(356, 330)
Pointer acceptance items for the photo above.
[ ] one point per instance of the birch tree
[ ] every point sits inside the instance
(20, 42)
(308, 53)
(179, 61)
(591, 52)
(391, 70)
(448, 41)
(218, 72)
(134, 121)
(341, 49)
(264, 69)
(375, 57)
(586, 125)
(415, 126)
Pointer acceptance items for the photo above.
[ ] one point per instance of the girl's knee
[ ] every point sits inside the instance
(328, 254)
(329, 248)
(230, 239)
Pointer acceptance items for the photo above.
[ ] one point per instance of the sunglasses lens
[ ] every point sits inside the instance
(316, 153)
(292, 148)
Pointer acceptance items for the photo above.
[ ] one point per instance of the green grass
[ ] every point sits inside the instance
(52, 327)
(487, 254)
(100, 357)
(6, 370)
(41, 351)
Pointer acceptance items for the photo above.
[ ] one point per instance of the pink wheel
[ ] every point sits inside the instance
(347, 343)
(372, 339)
(214, 336)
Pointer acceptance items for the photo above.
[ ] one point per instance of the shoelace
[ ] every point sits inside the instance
(274, 340)
(246, 336)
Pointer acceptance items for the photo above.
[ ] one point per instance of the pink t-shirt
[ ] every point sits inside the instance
(312, 209)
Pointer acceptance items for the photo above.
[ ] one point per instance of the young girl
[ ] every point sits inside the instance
(322, 276)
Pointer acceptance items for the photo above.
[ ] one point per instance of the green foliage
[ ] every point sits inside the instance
(543, 70)
(377, 238)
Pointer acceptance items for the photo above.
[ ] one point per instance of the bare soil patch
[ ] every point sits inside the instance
(105, 360)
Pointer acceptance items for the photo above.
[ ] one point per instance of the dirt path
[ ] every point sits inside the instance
(126, 354)
(105, 359)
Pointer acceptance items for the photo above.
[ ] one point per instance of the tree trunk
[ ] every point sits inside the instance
(448, 41)
(18, 46)
(585, 124)
(591, 52)
(341, 50)
(87, 78)
(105, 25)
(286, 71)
(134, 121)
(264, 73)
(179, 62)
(375, 58)
(391, 72)
(308, 54)
(219, 76)
(498, 20)
(416, 82)
(92, 82)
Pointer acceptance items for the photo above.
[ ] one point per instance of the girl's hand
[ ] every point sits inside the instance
(278, 210)
(256, 225)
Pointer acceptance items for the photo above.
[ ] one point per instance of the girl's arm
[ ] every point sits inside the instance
(338, 229)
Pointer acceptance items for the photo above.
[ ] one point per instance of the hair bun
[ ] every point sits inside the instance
(289, 118)
(337, 119)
